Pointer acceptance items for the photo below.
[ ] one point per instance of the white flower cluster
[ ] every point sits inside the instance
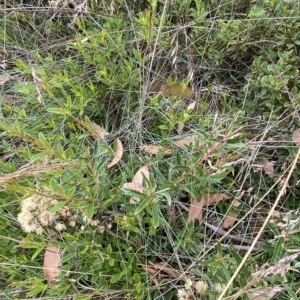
(190, 288)
(36, 214)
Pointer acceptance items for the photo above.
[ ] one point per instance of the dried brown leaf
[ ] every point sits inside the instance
(4, 78)
(151, 271)
(137, 182)
(155, 149)
(118, 154)
(52, 262)
(236, 203)
(191, 106)
(188, 140)
(216, 198)
(197, 207)
(176, 89)
(163, 266)
(229, 220)
(158, 86)
(100, 132)
(264, 293)
(296, 137)
(171, 214)
(180, 127)
(11, 99)
(268, 167)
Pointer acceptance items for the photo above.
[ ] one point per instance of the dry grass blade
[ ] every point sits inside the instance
(118, 154)
(279, 268)
(52, 262)
(37, 84)
(33, 171)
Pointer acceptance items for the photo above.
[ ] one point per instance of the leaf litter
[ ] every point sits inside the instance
(52, 262)
(195, 210)
(186, 141)
(137, 183)
(118, 154)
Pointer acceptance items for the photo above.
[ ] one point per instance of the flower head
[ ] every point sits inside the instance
(201, 286)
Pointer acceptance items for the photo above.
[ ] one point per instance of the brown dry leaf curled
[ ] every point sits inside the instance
(176, 89)
(155, 149)
(166, 268)
(4, 78)
(100, 132)
(236, 203)
(188, 140)
(52, 262)
(268, 167)
(10, 99)
(180, 126)
(229, 220)
(195, 211)
(296, 137)
(137, 183)
(118, 154)
(152, 149)
(191, 106)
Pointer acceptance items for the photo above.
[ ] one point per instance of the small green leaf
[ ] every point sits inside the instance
(36, 253)
(38, 288)
(155, 215)
(181, 168)
(70, 192)
(58, 111)
(111, 262)
(90, 210)
(109, 249)
(116, 278)
(163, 127)
(143, 204)
(278, 250)
(54, 186)
(67, 257)
(214, 178)
(82, 297)
(57, 207)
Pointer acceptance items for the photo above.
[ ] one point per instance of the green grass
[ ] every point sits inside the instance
(109, 66)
